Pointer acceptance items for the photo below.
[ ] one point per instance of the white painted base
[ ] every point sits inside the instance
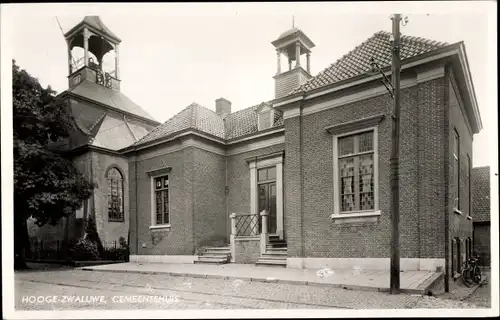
(406, 264)
(163, 258)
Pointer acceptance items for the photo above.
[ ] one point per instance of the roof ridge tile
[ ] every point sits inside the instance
(356, 61)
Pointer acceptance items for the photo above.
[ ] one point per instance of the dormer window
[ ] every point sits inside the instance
(266, 116)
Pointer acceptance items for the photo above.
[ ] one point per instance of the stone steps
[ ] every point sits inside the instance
(212, 259)
(271, 262)
(275, 255)
(273, 249)
(215, 255)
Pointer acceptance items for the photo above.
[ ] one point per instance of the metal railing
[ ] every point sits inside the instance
(61, 250)
(244, 224)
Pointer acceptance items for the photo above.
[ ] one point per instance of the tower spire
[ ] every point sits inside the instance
(293, 21)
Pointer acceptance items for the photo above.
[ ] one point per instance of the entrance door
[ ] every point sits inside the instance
(267, 197)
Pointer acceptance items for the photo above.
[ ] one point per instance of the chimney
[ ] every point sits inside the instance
(222, 107)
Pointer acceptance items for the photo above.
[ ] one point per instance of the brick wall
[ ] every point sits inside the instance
(209, 198)
(293, 188)
(287, 81)
(179, 239)
(432, 135)
(460, 227)
(422, 179)
(109, 231)
(197, 201)
(324, 238)
(482, 242)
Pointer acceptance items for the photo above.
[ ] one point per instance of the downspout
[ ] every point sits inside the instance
(92, 198)
(195, 245)
(302, 244)
(226, 193)
(136, 209)
(446, 164)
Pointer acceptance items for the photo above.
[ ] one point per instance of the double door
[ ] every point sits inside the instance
(267, 201)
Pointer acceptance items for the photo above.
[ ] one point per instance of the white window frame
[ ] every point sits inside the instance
(274, 160)
(154, 225)
(362, 214)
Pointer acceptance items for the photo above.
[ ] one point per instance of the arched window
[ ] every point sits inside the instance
(115, 195)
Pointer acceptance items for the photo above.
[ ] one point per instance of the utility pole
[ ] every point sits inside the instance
(394, 166)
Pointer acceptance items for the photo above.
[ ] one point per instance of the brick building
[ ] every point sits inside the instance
(302, 180)
(482, 219)
(316, 157)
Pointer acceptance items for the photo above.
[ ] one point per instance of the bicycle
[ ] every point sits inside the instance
(471, 272)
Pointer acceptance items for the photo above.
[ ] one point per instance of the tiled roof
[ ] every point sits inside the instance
(193, 116)
(245, 121)
(481, 194)
(357, 61)
(112, 98)
(197, 117)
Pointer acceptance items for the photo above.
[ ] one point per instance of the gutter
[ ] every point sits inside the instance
(136, 209)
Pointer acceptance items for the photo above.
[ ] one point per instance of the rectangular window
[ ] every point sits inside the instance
(356, 172)
(266, 174)
(162, 211)
(456, 170)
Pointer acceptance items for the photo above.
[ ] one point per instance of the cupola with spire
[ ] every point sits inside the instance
(292, 44)
(97, 41)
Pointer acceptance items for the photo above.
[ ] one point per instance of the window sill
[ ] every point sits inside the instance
(160, 227)
(355, 217)
(115, 220)
(457, 211)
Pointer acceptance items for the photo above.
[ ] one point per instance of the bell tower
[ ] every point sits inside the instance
(90, 44)
(292, 44)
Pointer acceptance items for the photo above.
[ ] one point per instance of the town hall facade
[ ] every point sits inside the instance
(301, 180)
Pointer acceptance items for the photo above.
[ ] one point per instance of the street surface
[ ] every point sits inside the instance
(66, 288)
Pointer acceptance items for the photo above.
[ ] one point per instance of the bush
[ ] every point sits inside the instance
(84, 250)
(117, 253)
(122, 242)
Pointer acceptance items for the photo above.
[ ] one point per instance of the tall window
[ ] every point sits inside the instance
(115, 195)
(456, 170)
(162, 200)
(356, 172)
(458, 255)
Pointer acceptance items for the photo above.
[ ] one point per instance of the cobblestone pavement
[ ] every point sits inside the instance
(482, 296)
(478, 295)
(197, 293)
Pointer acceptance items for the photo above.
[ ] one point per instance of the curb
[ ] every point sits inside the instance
(261, 280)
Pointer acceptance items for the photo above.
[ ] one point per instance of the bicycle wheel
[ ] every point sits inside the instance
(477, 275)
(466, 277)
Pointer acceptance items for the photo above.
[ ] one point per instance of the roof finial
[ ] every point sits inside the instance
(293, 21)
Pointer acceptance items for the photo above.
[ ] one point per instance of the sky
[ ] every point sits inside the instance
(174, 54)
